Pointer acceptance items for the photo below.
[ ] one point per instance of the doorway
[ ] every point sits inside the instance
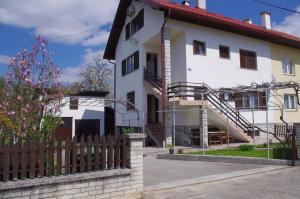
(152, 64)
(152, 109)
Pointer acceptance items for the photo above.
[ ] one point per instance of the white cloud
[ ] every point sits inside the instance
(290, 24)
(55, 18)
(4, 59)
(70, 74)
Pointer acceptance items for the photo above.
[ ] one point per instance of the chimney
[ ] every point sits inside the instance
(249, 20)
(186, 2)
(200, 4)
(266, 20)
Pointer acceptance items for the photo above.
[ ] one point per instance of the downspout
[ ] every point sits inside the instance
(115, 106)
(163, 72)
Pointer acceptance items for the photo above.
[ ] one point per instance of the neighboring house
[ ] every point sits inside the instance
(157, 44)
(82, 113)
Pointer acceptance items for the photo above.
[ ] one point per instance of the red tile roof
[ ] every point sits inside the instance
(201, 17)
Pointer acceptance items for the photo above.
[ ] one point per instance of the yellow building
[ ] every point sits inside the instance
(285, 67)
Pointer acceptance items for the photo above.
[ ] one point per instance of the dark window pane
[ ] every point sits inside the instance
(224, 52)
(74, 103)
(131, 99)
(136, 60)
(138, 22)
(124, 67)
(199, 48)
(127, 31)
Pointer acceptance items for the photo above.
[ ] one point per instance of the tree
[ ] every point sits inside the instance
(31, 100)
(2, 84)
(96, 76)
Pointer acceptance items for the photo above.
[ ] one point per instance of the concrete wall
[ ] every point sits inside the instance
(279, 53)
(118, 183)
(88, 108)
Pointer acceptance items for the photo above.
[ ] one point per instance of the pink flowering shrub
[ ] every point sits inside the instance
(31, 98)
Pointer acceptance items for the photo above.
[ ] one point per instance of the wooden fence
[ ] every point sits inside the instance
(31, 159)
(282, 130)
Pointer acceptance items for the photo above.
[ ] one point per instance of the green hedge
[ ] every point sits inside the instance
(284, 153)
(246, 147)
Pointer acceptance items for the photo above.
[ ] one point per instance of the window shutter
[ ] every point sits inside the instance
(243, 59)
(251, 62)
(136, 60)
(124, 67)
(127, 31)
(262, 100)
(238, 100)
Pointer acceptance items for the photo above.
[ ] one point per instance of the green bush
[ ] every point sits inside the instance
(246, 147)
(284, 153)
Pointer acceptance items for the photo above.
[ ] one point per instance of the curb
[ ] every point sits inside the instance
(227, 159)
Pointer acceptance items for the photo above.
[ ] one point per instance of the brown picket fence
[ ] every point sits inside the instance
(32, 159)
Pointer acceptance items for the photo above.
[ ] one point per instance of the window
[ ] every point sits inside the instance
(73, 103)
(287, 67)
(131, 99)
(138, 22)
(135, 25)
(130, 64)
(226, 96)
(127, 31)
(248, 59)
(199, 48)
(251, 100)
(289, 101)
(224, 52)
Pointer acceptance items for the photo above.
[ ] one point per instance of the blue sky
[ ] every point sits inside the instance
(20, 23)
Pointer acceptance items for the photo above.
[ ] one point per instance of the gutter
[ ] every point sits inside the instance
(115, 92)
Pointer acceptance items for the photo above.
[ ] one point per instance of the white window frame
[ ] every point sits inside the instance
(290, 102)
(288, 69)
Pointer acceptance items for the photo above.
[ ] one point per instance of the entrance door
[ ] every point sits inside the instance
(152, 108)
(152, 64)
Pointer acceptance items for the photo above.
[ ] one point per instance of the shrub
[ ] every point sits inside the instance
(246, 147)
(284, 153)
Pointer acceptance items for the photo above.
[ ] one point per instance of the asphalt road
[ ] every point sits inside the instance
(163, 171)
(277, 184)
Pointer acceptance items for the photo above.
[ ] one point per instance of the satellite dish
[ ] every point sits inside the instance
(131, 11)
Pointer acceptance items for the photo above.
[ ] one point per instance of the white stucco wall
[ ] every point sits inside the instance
(88, 108)
(134, 81)
(211, 69)
(218, 72)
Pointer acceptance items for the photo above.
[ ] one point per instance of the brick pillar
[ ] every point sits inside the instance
(166, 54)
(203, 127)
(298, 139)
(135, 153)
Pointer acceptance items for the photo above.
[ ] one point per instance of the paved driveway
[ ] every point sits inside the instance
(163, 171)
(277, 184)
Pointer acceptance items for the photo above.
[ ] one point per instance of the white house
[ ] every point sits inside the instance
(160, 47)
(82, 113)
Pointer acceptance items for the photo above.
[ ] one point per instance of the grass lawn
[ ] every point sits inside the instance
(236, 152)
